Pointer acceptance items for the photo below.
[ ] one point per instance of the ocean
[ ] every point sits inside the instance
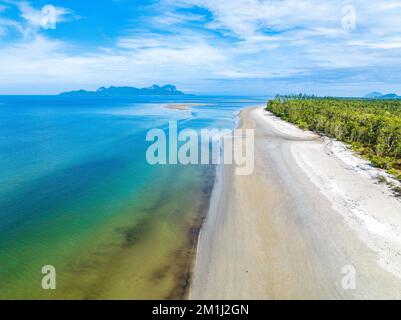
(77, 193)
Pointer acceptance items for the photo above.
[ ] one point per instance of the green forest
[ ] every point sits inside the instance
(371, 127)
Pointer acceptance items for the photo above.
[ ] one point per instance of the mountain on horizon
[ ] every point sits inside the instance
(155, 90)
(378, 95)
(373, 94)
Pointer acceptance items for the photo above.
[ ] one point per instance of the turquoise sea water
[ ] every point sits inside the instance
(77, 193)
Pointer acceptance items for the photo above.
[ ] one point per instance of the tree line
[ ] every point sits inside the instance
(372, 127)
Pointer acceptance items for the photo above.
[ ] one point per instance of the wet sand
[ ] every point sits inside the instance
(290, 229)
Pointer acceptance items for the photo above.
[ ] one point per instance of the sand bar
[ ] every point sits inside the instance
(183, 107)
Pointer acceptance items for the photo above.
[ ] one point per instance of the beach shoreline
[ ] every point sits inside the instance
(209, 217)
(286, 232)
(126, 229)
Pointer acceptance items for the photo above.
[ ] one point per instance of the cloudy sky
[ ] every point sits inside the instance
(241, 47)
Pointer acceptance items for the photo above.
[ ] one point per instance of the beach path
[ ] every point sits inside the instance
(303, 225)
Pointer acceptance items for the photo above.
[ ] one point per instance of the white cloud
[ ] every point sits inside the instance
(245, 18)
(389, 43)
(31, 18)
(311, 28)
(241, 39)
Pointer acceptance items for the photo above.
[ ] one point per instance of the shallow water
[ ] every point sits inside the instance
(77, 193)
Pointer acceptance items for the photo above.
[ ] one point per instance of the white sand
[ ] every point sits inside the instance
(310, 208)
(183, 106)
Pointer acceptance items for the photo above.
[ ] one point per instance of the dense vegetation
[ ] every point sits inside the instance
(372, 127)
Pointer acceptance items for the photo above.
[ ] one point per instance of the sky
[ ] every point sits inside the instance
(233, 47)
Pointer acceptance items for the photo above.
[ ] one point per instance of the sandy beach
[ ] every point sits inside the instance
(183, 106)
(309, 212)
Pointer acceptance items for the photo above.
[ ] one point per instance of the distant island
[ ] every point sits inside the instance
(155, 90)
(378, 95)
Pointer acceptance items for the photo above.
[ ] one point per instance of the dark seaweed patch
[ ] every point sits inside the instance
(161, 273)
(132, 235)
(186, 255)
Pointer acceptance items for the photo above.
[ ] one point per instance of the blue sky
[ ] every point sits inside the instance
(241, 47)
